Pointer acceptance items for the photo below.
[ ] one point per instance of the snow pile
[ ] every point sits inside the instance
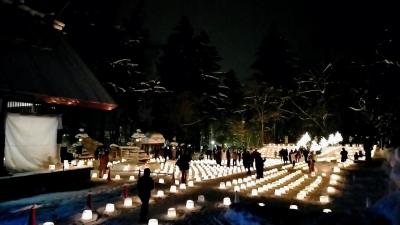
(242, 218)
(389, 206)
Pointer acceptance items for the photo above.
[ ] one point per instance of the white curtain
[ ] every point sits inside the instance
(31, 142)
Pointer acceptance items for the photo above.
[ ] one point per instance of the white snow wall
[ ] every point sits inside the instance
(31, 142)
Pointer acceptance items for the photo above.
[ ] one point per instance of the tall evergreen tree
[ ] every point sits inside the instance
(276, 63)
(189, 68)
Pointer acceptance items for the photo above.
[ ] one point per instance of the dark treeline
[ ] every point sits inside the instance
(179, 89)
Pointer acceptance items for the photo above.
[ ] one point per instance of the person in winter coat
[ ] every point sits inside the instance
(144, 186)
(259, 164)
(247, 161)
(183, 164)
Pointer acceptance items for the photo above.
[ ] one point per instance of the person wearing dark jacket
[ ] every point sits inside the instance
(144, 185)
(183, 164)
(247, 161)
(259, 164)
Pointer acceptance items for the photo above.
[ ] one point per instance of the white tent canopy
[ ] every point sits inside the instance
(154, 138)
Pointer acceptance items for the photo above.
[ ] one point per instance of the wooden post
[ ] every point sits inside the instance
(3, 113)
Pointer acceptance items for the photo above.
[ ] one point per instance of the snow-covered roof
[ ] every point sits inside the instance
(154, 138)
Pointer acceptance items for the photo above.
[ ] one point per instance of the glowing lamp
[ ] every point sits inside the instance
(254, 192)
(222, 185)
(152, 222)
(227, 201)
(94, 175)
(277, 192)
(110, 208)
(176, 182)
(200, 198)
(161, 180)
(160, 193)
(234, 182)
(240, 180)
(330, 190)
(326, 210)
(131, 178)
(182, 186)
(105, 176)
(87, 215)
(172, 189)
(189, 204)
(126, 168)
(190, 183)
(171, 213)
(90, 163)
(117, 177)
(48, 223)
(128, 202)
(324, 199)
(228, 184)
(236, 188)
(243, 186)
(66, 165)
(294, 207)
(52, 168)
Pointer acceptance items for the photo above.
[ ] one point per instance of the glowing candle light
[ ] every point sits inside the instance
(66, 165)
(48, 223)
(200, 198)
(182, 186)
(222, 185)
(228, 184)
(234, 182)
(254, 192)
(161, 180)
(128, 202)
(131, 178)
(189, 204)
(52, 168)
(94, 175)
(105, 176)
(227, 201)
(330, 190)
(324, 199)
(117, 177)
(176, 182)
(110, 208)
(87, 215)
(243, 186)
(327, 210)
(160, 193)
(171, 213)
(173, 189)
(152, 222)
(126, 168)
(236, 188)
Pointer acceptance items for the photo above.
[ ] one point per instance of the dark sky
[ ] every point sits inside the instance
(317, 30)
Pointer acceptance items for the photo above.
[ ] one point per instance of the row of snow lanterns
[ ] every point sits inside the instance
(75, 163)
(333, 139)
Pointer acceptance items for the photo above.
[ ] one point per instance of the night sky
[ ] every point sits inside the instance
(318, 31)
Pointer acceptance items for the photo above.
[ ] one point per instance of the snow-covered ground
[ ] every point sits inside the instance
(66, 207)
